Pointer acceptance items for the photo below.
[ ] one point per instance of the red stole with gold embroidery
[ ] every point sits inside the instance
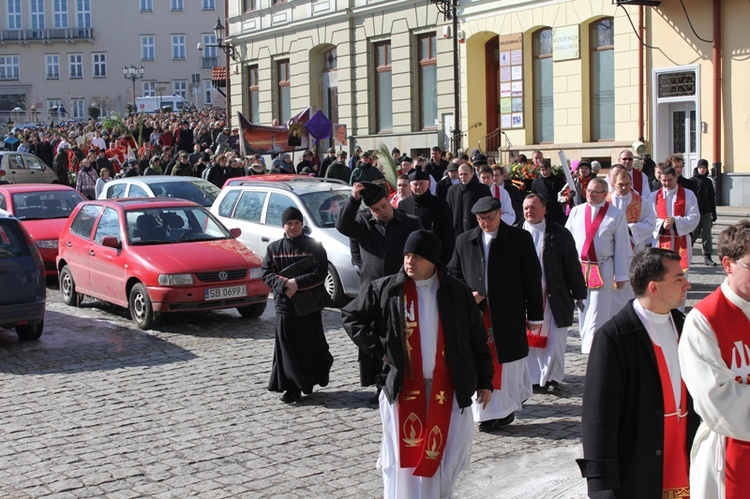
(589, 262)
(637, 177)
(497, 376)
(665, 239)
(731, 328)
(675, 470)
(423, 424)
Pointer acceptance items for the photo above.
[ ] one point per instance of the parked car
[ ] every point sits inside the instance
(157, 256)
(278, 177)
(23, 289)
(195, 189)
(255, 206)
(25, 168)
(43, 210)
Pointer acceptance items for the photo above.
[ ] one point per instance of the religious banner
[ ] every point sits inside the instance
(260, 139)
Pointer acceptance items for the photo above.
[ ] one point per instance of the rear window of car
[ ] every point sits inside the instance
(12, 241)
(45, 205)
(203, 193)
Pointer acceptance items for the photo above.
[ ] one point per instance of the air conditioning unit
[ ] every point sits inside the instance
(647, 3)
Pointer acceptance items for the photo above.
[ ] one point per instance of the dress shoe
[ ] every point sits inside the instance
(553, 388)
(709, 262)
(291, 396)
(487, 425)
(539, 388)
(375, 399)
(506, 420)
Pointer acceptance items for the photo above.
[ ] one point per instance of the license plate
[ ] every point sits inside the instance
(222, 293)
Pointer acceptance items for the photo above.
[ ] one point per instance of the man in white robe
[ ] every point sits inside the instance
(639, 215)
(640, 180)
(715, 359)
(674, 223)
(611, 245)
(487, 177)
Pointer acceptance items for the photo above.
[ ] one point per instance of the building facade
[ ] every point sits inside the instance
(70, 53)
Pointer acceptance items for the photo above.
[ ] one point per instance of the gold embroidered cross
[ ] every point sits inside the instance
(441, 398)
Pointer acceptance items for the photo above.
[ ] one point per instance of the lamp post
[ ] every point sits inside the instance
(133, 73)
(229, 51)
(448, 9)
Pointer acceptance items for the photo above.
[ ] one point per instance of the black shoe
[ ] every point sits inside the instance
(709, 262)
(291, 396)
(375, 399)
(553, 388)
(539, 388)
(506, 420)
(487, 425)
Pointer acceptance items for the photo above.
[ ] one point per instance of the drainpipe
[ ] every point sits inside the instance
(716, 167)
(641, 69)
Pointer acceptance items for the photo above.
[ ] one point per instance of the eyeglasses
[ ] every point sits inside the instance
(487, 218)
(743, 264)
(596, 192)
(626, 159)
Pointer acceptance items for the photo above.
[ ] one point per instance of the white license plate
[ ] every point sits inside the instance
(222, 293)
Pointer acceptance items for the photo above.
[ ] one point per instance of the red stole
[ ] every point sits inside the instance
(731, 328)
(637, 177)
(665, 239)
(423, 424)
(589, 262)
(497, 376)
(633, 209)
(675, 481)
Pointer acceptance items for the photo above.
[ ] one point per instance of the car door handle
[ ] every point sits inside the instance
(265, 239)
(91, 252)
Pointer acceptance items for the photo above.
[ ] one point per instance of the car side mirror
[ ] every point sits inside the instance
(111, 242)
(235, 232)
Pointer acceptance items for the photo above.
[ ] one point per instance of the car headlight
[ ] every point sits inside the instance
(256, 273)
(47, 244)
(175, 279)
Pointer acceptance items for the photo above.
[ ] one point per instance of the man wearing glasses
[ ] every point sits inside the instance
(600, 231)
(715, 361)
(640, 180)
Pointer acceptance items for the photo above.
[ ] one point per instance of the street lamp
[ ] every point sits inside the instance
(229, 51)
(133, 73)
(448, 9)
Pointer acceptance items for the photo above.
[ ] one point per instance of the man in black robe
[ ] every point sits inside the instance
(301, 358)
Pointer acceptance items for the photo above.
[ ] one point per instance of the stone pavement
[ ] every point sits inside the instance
(97, 408)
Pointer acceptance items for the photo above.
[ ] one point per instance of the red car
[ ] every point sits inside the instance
(155, 255)
(43, 210)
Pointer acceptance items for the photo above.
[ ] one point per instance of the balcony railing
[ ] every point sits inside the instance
(209, 62)
(40, 35)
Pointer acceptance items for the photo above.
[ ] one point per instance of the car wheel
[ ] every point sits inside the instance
(252, 311)
(140, 307)
(30, 331)
(68, 288)
(334, 288)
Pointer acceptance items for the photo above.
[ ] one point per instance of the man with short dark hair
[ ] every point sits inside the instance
(365, 171)
(707, 208)
(327, 161)
(338, 168)
(462, 196)
(638, 421)
(549, 186)
(716, 367)
(437, 164)
(677, 162)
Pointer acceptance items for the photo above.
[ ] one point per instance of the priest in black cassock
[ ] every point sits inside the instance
(300, 358)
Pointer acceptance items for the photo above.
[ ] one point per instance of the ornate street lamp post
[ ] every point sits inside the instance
(229, 51)
(448, 9)
(133, 73)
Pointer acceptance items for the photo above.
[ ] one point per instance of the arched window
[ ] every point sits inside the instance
(544, 98)
(602, 42)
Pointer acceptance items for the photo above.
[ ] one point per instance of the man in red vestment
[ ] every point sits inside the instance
(637, 421)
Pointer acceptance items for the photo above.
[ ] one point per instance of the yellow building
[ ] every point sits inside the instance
(554, 75)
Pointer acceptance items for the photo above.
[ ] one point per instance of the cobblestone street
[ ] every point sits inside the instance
(97, 408)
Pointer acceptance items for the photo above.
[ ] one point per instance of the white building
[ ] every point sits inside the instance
(71, 53)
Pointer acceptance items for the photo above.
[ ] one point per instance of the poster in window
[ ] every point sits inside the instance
(505, 106)
(516, 57)
(505, 58)
(504, 90)
(505, 121)
(516, 73)
(511, 81)
(517, 105)
(505, 73)
(516, 89)
(517, 120)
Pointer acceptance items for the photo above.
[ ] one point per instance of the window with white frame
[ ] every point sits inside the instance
(210, 45)
(79, 108)
(208, 92)
(9, 67)
(83, 13)
(61, 13)
(52, 64)
(99, 65)
(37, 14)
(148, 45)
(179, 87)
(149, 89)
(14, 14)
(177, 5)
(208, 5)
(147, 5)
(75, 66)
(178, 47)
(53, 103)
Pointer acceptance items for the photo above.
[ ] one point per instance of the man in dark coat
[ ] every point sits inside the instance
(437, 309)
(449, 180)
(381, 232)
(462, 196)
(500, 266)
(62, 164)
(437, 164)
(433, 212)
(634, 443)
(549, 186)
(707, 206)
(301, 358)
(563, 282)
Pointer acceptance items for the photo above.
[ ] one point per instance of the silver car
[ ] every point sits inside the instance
(255, 207)
(193, 189)
(25, 168)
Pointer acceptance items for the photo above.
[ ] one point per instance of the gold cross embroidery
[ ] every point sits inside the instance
(441, 398)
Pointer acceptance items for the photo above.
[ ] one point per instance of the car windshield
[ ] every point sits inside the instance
(203, 193)
(12, 241)
(324, 206)
(173, 225)
(45, 204)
